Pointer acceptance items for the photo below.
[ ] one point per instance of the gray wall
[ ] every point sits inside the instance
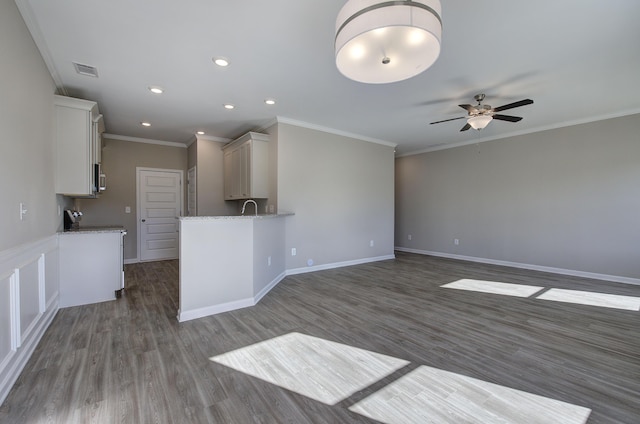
(120, 159)
(341, 191)
(26, 136)
(210, 179)
(566, 198)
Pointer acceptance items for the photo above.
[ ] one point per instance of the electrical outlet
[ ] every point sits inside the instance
(293, 251)
(409, 237)
(456, 242)
(370, 243)
(269, 261)
(127, 209)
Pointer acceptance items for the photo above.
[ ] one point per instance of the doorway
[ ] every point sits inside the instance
(159, 198)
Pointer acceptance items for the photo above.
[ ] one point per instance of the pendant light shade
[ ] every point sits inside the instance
(386, 41)
(478, 122)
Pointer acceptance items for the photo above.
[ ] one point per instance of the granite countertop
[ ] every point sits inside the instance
(230, 217)
(95, 229)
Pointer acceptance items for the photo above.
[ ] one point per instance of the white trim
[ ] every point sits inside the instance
(195, 189)
(262, 293)
(144, 140)
(215, 309)
(23, 341)
(14, 308)
(25, 334)
(284, 120)
(19, 255)
(42, 304)
(131, 261)
(333, 265)
(25, 352)
(32, 24)
(212, 138)
(561, 271)
(444, 146)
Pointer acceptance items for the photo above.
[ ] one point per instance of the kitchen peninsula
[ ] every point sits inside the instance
(229, 262)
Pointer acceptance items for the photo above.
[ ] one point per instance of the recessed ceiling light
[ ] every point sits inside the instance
(221, 61)
(145, 124)
(229, 106)
(270, 101)
(156, 90)
(200, 133)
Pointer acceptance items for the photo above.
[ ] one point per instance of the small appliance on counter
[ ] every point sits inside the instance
(72, 219)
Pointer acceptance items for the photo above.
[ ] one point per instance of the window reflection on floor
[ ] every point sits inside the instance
(603, 300)
(494, 287)
(430, 395)
(326, 371)
(331, 372)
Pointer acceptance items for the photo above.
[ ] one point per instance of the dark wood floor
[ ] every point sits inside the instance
(130, 361)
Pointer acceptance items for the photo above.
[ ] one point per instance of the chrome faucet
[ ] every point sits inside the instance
(245, 205)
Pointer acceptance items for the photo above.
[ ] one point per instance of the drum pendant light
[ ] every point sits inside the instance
(380, 42)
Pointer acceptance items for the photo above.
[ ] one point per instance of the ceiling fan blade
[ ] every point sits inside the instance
(468, 108)
(512, 105)
(507, 117)
(466, 127)
(447, 120)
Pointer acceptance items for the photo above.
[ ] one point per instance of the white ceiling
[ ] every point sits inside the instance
(579, 60)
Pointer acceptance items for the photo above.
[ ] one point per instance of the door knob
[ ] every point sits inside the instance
(144, 220)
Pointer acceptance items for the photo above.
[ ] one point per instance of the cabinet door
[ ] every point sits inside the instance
(245, 170)
(74, 170)
(228, 175)
(236, 179)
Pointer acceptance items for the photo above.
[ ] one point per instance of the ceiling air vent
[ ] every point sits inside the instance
(87, 70)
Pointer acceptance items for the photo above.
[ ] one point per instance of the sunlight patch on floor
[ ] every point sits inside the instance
(603, 300)
(326, 371)
(494, 287)
(430, 395)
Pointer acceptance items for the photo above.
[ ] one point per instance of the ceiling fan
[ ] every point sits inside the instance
(480, 115)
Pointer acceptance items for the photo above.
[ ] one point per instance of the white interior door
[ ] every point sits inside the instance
(191, 192)
(159, 204)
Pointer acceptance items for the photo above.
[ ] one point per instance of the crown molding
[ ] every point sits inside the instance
(445, 146)
(289, 121)
(144, 140)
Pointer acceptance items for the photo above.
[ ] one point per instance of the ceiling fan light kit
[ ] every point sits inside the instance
(380, 42)
(479, 116)
(478, 122)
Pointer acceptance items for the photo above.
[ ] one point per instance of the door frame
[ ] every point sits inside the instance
(195, 189)
(139, 169)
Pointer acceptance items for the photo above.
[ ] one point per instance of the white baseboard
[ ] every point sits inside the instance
(561, 271)
(214, 309)
(262, 293)
(131, 261)
(229, 306)
(333, 265)
(245, 303)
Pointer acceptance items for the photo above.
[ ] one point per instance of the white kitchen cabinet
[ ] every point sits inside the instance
(91, 266)
(77, 136)
(246, 169)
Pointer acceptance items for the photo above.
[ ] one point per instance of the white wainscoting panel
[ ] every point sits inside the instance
(29, 295)
(29, 286)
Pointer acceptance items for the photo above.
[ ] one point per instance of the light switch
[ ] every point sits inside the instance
(127, 209)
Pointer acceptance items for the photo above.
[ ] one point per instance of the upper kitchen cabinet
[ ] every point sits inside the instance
(77, 136)
(246, 167)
